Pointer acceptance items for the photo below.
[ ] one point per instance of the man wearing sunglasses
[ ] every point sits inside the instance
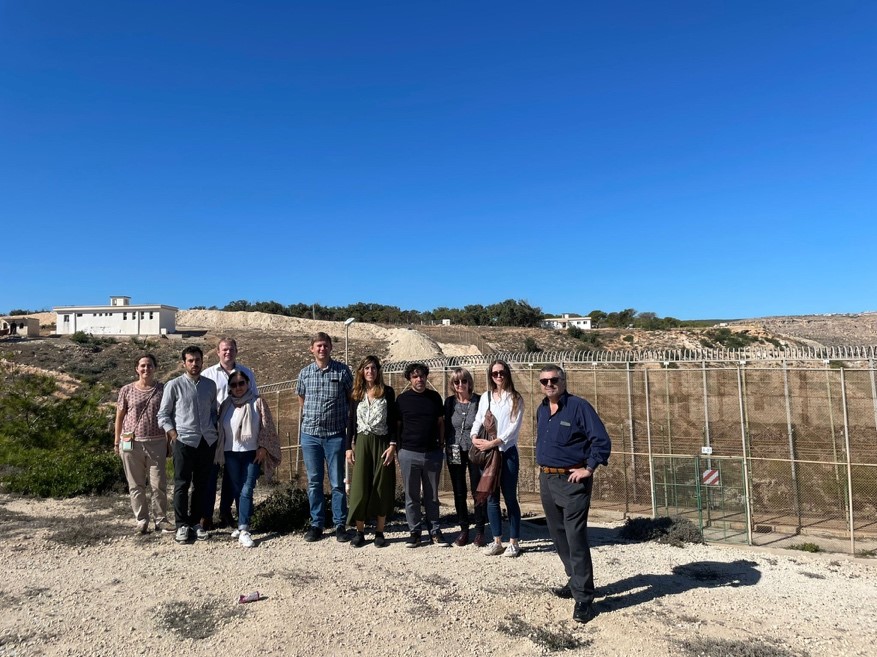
(227, 350)
(571, 442)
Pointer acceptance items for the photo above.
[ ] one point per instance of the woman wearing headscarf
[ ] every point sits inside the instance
(247, 445)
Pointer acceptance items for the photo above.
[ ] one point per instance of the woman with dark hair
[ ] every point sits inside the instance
(247, 444)
(460, 410)
(507, 407)
(371, 450)
(142, 445)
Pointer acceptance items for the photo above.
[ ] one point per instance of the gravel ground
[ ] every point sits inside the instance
(78, 582)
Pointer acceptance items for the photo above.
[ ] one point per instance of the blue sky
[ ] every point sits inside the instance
(694, 159)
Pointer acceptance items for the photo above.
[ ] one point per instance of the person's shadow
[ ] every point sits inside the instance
(699, 574)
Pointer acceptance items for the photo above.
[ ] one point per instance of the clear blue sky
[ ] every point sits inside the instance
(694, 159)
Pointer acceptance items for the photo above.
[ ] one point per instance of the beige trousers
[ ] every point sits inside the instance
(147, 459)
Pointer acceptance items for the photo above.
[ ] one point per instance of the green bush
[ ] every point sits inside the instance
(93, 342)
(285, 510)
(674, 531)
(47, 473)
(806, 547)
(591, 339)
(575, 332)
(53, 445)
(530, 346)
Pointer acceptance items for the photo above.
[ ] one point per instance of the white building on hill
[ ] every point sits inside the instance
(119, 318)
(565, 321)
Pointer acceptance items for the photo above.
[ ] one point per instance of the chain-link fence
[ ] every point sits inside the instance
(802, 432)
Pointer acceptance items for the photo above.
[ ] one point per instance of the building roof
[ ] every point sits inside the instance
(107, 307)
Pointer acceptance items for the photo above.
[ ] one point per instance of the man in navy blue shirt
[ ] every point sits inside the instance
(571, 442)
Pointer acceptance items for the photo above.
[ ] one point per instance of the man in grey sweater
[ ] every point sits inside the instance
(188, 415)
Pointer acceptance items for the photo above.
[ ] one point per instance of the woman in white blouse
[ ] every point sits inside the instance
(507, 406)
(371, 449)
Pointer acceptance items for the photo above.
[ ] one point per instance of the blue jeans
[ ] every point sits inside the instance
(508, 484)
(317, 451)
(242, 473)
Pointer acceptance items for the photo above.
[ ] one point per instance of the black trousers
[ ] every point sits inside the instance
(191, 466)
(458, 472)
(566, 508)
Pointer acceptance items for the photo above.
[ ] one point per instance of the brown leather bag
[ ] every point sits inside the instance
(487, 432)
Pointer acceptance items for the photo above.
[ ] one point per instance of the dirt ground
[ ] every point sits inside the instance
(79, 582)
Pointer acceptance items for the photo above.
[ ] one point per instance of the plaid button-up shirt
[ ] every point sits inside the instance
(326, 393)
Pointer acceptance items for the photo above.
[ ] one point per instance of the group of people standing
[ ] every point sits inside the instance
(357, 420)
(203, 419)
(215, 417)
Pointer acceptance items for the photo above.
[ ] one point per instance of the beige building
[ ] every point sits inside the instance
(27, 327)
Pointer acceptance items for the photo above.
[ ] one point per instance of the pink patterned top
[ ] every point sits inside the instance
(141, 410)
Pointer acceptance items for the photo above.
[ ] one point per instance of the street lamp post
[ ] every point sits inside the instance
(347, 323)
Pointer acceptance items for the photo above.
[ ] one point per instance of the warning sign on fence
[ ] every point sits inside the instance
(711, 477)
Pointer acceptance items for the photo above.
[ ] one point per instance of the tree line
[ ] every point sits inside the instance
(510, 312)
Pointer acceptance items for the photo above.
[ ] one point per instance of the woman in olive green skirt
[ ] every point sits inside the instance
(371, 449)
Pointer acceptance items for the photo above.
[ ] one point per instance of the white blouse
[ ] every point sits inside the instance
(507, 427)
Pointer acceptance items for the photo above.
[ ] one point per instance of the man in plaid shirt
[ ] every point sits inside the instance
(324, 389)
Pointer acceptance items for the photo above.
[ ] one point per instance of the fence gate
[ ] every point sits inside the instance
(710, 492)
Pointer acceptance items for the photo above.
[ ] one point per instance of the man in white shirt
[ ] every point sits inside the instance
(227, 350)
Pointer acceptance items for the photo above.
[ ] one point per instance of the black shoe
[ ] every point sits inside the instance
(583, 612)
(358, 540)
(562, 592)
(380, 540)
(313, 534)
(341, 534)
(227, 520)
(413, 540)
(439, 539)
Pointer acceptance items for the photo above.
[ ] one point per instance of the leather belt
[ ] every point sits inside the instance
(548, 470)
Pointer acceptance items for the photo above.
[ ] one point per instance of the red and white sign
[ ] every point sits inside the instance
(711, 477)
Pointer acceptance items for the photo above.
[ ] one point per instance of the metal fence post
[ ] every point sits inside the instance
(649, 444)
(743, 438)
(792, 446)
(873, 391)
(632, 432)
(706, 414)
(843, 390)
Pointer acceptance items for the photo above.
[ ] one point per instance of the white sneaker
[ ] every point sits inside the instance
(512, 551)
(201, 534)
(236, 533)
(493, 549)
(245, 539)
(182, 534)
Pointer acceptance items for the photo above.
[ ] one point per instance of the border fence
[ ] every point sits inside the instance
(753, 445)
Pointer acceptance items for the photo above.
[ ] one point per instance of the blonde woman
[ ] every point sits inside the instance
(460, 410)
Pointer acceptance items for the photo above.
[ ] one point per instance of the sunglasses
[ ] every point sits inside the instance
(551, 380)
(461, 383)
(237, 384)
(497, 374)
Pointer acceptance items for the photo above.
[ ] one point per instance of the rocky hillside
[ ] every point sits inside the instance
(277, 347)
